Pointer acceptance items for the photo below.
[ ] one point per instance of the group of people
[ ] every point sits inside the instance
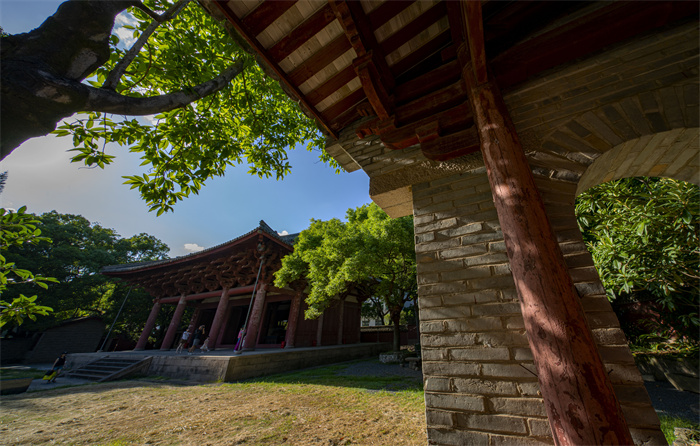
(197, 337)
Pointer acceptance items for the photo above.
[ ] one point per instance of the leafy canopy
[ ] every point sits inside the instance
(17, 230)
(370, 252)
(251, 120)
(644, 235)
(78, 251)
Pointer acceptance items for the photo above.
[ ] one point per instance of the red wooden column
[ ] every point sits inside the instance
(319, 330)
(340, 320)
(174, 323)
(578, 395)
(293, 321)
(141, 344)
(252, 334)
(218, 319)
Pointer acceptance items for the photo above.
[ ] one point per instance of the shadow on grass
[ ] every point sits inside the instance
(371, 375)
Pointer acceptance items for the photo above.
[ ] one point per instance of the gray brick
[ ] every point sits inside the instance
(539, 428)
(438, 418)
(484, 387)
(449, 340)
(504, 308)
(529, 388)
(456, 437)
(466, 273)
(464, 251)
(505, 371)
(518, 406)
(436, 313)
(442, 288)
(479, 354)
(471, 298)
(491, 423)
(508, 440)
(474, 324)
(452, 401)
(450, 369)
(433, 384)
(491, 283)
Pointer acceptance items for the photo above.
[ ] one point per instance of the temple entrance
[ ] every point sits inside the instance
(274, 327)
(236, 320)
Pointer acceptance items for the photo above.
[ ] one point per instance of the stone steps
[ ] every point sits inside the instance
(108, 369)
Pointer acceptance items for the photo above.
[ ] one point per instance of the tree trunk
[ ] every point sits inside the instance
(69, 45)
(396, 322)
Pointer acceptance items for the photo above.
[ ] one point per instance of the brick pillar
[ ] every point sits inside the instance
(251, 338)
(293, 321)
(340, 320)
(319, 331)
(218, 319)
(141, 344)
(174, 323)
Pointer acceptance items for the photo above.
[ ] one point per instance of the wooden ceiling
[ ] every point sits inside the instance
(401, 62)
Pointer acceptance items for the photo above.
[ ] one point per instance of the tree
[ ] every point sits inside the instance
(644, 235)
(79, 251)
(371, 252)
(17, 230)
(213, 105)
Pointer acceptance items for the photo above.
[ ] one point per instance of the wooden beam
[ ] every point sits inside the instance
(319, 60)
(370, 63)
(253, 42)
(441, 40)
(432, 103)
(412, 29)
(475, 36)
(609, 25)
(337, 109)
(302, 33)
(451, 146)
(409, 91)
(578, 395)
(386, 11)
(265, 14)
(331, 85)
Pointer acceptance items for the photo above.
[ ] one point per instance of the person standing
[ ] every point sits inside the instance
(197, 338)
(183, 340)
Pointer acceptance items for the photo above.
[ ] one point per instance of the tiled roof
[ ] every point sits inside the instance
(287, 240)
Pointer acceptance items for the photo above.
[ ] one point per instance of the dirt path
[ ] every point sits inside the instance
(152, 413)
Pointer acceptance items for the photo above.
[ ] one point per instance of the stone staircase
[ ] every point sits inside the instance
(111, 368)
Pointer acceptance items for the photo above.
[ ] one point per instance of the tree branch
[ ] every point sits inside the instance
(116, 74)
(107, 101)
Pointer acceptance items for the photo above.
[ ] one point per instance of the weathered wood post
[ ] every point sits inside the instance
(174, 322)
(578, 395)
(150, 323)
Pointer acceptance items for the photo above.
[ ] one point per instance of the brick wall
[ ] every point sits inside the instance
(480, 379)
(630, 110)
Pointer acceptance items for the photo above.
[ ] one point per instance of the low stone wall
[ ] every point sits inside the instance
(205, 368)
(681, 373)
(244, 367)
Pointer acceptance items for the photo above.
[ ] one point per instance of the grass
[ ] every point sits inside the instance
(669, 423)
(20, 372)
(317, 406)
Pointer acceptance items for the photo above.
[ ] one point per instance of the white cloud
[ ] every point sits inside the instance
(283, 233)
(193, 247)
(126, 36)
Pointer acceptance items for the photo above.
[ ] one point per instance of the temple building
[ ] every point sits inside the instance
(230, 286)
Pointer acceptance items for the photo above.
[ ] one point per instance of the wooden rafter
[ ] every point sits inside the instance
(265, 14)
(319, 60)
(369, 65)
(608, 25)
(255, 44)
(475, 36)
(418, 25)
(299, 35)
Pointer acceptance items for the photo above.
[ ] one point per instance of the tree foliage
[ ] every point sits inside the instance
(78, 250)
(212, 106)
(644, 235)
(17, 230)
(371, 253)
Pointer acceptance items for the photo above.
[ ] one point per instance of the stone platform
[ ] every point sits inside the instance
(223, 365)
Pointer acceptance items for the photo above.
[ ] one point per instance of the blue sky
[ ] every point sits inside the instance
(41, 177)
